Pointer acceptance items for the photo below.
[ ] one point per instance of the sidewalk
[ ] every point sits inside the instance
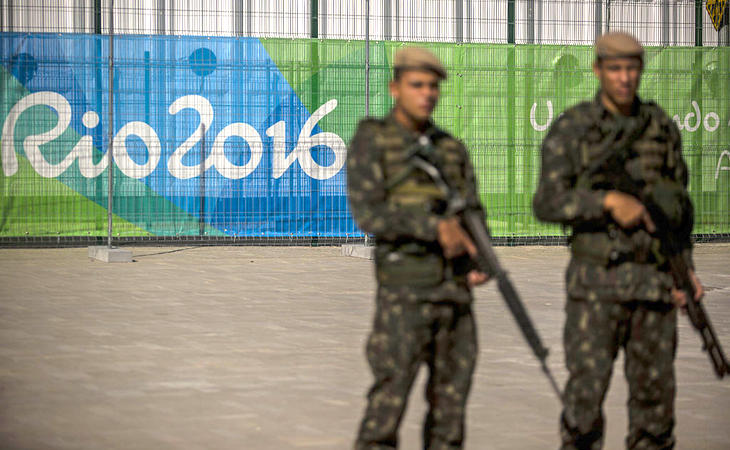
(263, 348)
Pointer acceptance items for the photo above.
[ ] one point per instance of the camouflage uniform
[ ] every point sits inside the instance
(423, 311)
(617, 280)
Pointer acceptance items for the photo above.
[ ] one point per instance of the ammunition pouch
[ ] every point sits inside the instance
(412, 264)
(418, 264)
(613, 247)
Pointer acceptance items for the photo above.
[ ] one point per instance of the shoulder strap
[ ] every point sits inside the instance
(627, 132)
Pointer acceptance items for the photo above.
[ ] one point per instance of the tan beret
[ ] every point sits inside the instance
(416, 58)
(618, 45)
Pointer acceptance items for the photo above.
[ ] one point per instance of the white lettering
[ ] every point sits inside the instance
(205, 109)
(252, 138)
(305, 143)
(280, 160)
(719, 164)
(121, 156)
(534, 123)
(697, 114)
(83, 150)
(678, 122)
(32, 144)
(713, 116)
(693, 114)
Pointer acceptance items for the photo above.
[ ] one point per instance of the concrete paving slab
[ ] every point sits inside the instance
(263, 348)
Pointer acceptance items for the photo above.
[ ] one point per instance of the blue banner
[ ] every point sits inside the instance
(209, 125)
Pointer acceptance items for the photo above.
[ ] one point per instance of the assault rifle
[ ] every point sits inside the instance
(695, 311)
(679, 269)
(488, 263)
(611, 159)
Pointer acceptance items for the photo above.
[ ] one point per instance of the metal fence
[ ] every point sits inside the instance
(654, 22)
(229, 119)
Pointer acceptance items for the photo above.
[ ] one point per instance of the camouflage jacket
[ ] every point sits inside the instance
(610, 263)
(402, 207)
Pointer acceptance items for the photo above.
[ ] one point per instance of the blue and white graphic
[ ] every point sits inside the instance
(211, 125)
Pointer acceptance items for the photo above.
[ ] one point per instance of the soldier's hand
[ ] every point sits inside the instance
(454, 239)
(680, 298)
(627, 210)
(475, 278)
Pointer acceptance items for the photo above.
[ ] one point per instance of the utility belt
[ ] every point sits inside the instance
(417, 264)
(612, 247)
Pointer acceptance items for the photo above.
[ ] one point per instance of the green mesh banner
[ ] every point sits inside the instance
(500, 100)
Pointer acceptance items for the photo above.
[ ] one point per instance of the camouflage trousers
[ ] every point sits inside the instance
(405, 335)
(594, 332)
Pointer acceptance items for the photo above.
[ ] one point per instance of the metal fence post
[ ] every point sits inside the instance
(110, 149)
(315, 25)
(511, 108)
(459, 20)
(724, 68)
(695, 182)
(510, 21)
(665, 23)
(98, 71)
(10, 9)
(201, 218)
(367, 57)
(387, 20)
(530, 21)
(367, 73)
(108, 253)
(314, 19)
(698, 23)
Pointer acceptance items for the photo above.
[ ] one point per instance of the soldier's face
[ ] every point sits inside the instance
(619, 79)
(416, 93)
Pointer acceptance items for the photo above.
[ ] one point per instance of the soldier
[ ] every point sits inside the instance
(620, 294)
(422, 264)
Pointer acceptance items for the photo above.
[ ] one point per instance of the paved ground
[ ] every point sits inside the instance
(262, 348)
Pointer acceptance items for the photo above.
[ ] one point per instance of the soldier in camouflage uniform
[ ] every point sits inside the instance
(620, 294)
(422, 264)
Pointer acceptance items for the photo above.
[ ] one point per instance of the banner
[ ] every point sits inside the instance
(247, 137)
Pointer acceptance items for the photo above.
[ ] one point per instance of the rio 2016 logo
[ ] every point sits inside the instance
(83, 150)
